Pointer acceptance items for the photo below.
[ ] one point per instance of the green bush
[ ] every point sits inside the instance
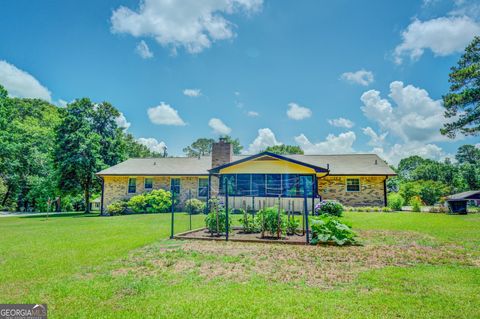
(386, 209)
(156, 201)
(292, 225)
(215, 222)
(326, 228)
(395, 201)
(329, 207)
(117, 208)
(416, 203)
(249, 223)
(271, 221)
(137, 203)
(195, 206)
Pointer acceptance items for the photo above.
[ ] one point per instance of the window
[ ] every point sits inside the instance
(175, 185)
(132, 185)
(231, 181)
(291, 185)
(274, 185)
(148, 183)
(243, 184)
(353, 185)
(258, 185)
(202, 187)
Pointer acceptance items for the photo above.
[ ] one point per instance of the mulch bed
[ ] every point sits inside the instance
(237, 234)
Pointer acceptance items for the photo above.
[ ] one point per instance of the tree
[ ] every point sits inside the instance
(284, 149)
(407, 165)
(468, 154)
(135, 149)
(201, 147)
(78, 153)
(237, 147)
(463, 100)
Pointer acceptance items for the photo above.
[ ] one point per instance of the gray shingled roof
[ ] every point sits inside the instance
(463, 195)
(351, 164)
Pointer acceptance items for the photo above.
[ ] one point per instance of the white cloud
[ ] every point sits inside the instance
(341, 122)
(122, 122)
(61, 103)
(219, 127)
(297, 112)
(143, 50)
(375, 139)
(394, 154)
(190, 24)
(152, 144)
(21, 84)
(264, 139)
(416, 117)
(192, 92)
(252, 114)
(443, 36)
(362, 77)
(164, 114)
(332, 145)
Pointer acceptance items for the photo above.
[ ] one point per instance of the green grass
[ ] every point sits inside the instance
(125, 267)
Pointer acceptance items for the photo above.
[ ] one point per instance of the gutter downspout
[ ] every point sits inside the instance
(385, 191)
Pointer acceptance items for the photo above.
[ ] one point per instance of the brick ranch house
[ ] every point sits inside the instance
(253, 181)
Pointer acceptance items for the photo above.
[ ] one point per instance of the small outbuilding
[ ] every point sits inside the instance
(458, 202)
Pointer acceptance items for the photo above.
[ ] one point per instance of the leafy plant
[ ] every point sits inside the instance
(195, 206)
(326, 228)
(292, 225)
(156, 201)
(215, 222)
(272, 220)
(249, 223)
(329, 207)
(395, 201)
(416, 204)
(117, 208)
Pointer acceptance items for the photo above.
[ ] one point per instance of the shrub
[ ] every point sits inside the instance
(292, 225)
(326, 228)
(194, 206)
(156, 201)
(416, 204)
(329, 207)
(395, 201)
(386, 209)
(117, 208)
(215, 222)
(249, 223)
(270, 221)
(137, 203)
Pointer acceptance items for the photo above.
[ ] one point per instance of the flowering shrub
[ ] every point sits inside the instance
(117, 208)
(329, 207)
(327, 228)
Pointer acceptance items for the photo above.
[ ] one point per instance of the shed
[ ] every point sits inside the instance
(458, 202)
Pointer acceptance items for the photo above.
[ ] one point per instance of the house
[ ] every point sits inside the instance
(255, 180)
(95, 204)
(458, 202)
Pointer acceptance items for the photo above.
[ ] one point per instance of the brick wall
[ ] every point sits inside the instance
(371, 190)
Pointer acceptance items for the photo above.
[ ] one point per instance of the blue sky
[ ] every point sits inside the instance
(330, 76)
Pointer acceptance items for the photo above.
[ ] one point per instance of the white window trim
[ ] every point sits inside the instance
(359, 185)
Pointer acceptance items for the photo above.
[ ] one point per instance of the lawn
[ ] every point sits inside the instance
(411, 265)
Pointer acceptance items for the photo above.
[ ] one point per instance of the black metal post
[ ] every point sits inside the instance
(173, 215)
(190, 207)
(305, 208)
(313, 194)
(225, 181)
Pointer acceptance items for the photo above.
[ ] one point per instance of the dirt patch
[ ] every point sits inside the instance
(322, 266)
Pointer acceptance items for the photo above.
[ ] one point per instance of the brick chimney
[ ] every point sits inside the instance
(222, 152)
